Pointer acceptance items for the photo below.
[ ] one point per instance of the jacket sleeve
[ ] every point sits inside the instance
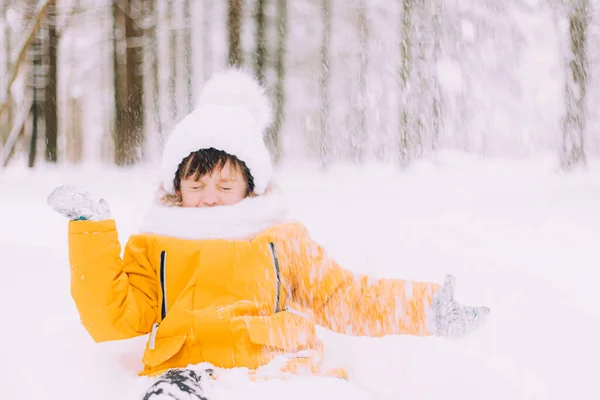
(356, 304)
(116, 298)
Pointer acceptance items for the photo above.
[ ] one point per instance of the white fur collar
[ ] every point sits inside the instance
(239, 221)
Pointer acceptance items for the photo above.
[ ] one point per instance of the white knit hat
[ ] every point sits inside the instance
(232, 115)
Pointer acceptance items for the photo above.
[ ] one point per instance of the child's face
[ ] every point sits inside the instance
(222, 187)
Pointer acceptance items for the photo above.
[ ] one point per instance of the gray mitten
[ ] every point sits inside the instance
(448, 318)
(75, 203)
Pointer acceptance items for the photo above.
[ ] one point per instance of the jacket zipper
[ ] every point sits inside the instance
(163, 283)
(152, 344)
(277, 275)
(163, 289)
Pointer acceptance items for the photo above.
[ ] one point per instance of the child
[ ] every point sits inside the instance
(217, 274)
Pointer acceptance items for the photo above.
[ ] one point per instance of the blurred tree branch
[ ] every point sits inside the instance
(29, 37)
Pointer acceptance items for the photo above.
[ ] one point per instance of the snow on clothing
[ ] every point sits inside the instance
(236, 297)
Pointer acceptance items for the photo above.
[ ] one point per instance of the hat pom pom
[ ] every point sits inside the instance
(237, 88)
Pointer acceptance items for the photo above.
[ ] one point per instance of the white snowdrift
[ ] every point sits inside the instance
(519, 236)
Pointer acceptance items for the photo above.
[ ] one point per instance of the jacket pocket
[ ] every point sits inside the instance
(286, 330)
(164, 349)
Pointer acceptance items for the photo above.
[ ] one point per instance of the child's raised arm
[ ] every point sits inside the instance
(116, 298)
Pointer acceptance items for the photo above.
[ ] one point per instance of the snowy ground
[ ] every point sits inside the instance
(519, 236)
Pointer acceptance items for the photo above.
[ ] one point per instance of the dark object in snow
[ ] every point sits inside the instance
(179, 384)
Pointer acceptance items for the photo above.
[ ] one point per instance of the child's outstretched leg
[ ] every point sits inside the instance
(179, 384)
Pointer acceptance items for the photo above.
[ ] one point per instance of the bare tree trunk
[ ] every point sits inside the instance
(173, 60)
(261, 42)
(75, 132)
(405, 71)
(359, 138)
(134, 35)
(234, 27)
(151, 52)
(128, 86)
(6, 124)
(418, 103)
(274, 139)
(206, 40)
(437, 96)
(187, 15)
(36, 81)
(120, 83)
(324, 142)
(573, 149)
(50, 112)
(35, 67)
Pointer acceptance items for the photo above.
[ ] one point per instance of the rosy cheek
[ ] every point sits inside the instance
(189, 199)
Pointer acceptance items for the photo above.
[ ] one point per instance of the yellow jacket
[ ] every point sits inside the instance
(232, 303)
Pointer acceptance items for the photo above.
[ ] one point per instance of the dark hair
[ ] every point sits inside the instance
(205, 161)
